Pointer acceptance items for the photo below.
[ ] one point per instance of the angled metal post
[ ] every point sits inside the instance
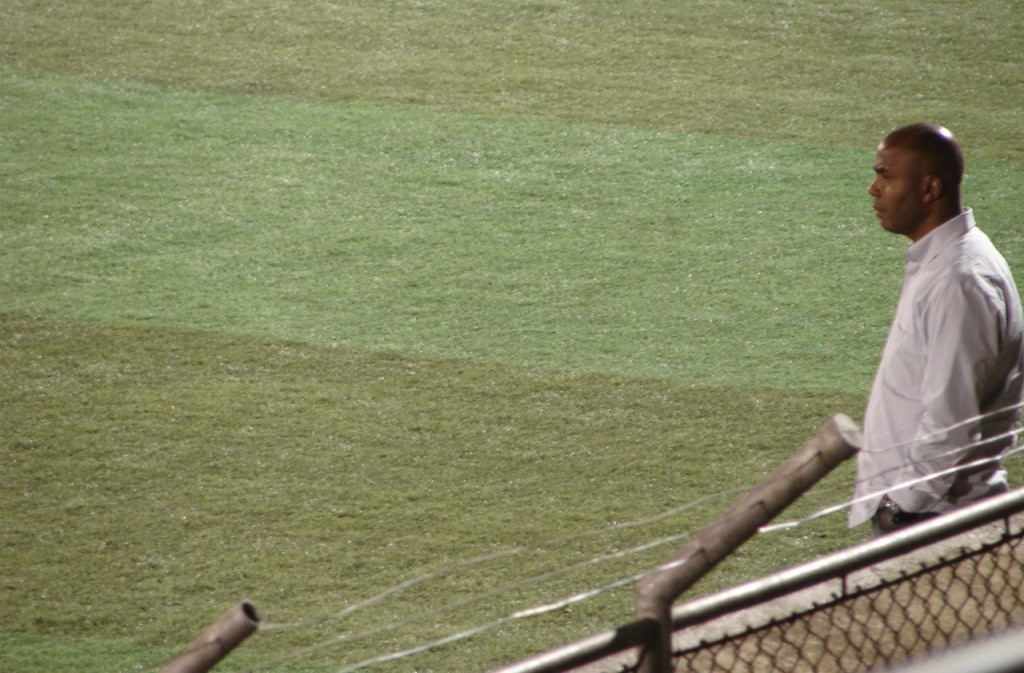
(837, 440)
(208, 649)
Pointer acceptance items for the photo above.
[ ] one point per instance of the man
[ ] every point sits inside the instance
(949, 385)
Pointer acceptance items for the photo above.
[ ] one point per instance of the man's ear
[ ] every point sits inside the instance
(932, 188)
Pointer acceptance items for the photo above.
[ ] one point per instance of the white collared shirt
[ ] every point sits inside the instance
(953, 360)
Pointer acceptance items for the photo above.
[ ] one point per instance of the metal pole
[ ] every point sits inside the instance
(837, 440)
(585, 651)
(204, 653)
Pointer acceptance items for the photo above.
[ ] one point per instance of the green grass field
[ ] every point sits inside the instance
(300, 301)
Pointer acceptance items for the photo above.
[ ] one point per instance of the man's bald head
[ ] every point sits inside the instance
(918, 171)
(937, 151)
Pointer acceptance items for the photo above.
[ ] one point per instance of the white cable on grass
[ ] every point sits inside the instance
(508, 553)
(575, 598)
(647, 546)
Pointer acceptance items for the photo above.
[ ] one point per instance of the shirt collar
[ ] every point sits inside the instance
(936, 240)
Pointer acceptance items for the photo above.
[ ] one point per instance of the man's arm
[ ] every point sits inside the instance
(960, 322)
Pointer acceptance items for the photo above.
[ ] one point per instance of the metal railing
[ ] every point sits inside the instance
(863, 616)
(858, 621)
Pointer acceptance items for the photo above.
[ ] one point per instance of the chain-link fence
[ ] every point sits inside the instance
(968, 593)
(1002, 653)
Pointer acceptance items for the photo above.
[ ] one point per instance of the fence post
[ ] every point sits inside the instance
(204, 652)
(838, 439)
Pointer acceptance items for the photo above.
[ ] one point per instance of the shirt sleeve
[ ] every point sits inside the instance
(960, 323)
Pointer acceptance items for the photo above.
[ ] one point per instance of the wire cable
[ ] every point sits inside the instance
(584, 595)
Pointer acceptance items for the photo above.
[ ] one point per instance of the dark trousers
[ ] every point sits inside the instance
(884, 522)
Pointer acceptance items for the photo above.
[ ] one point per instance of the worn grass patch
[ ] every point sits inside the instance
(156, 476)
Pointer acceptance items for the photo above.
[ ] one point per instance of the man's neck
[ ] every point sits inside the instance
(936, 219)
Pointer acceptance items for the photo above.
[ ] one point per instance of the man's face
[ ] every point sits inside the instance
(898, 191)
